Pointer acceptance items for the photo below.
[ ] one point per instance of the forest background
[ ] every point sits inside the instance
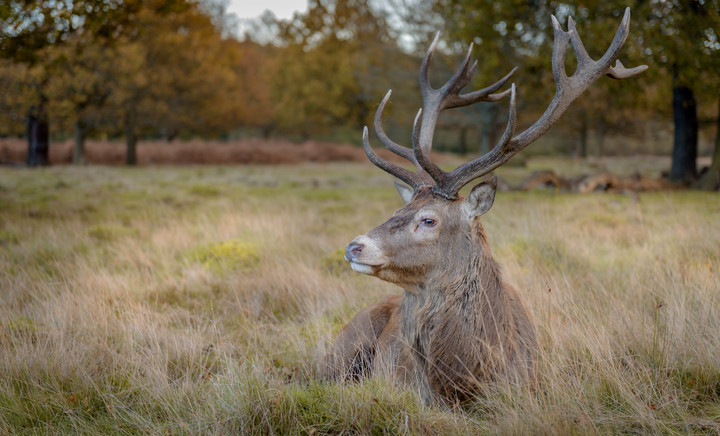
(131, 70)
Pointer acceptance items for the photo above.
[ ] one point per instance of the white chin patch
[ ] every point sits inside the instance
(359, 267)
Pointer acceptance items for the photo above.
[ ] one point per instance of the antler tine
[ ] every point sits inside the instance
(582, 56)
(450, 92)
(416, 130)
(407, 176)
(485, 94)
(620, 72)
(620, 37)
(567, 89)
(423, 159)
(512, 120)
(559, 50)
(424, 80)
(462, 76)
(385, 139)
(448, 96)
(468, 171)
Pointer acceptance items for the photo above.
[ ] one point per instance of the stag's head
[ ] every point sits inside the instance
(421, 240)
(437, 226)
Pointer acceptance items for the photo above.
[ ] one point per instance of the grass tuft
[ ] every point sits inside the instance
(227, 255)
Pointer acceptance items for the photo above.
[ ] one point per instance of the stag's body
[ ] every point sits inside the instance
(458, 326)
(468, 331)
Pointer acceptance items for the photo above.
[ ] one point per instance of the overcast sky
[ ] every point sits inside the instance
(254, 8)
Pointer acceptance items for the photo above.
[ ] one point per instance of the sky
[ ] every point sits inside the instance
(245, 9)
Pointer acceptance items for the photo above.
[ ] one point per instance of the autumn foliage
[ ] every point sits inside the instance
(163, 69)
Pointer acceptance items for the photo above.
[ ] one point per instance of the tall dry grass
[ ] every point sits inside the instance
(198, 301)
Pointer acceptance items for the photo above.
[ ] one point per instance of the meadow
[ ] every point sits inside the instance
(199, 300)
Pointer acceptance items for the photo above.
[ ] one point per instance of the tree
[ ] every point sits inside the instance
(711, 179)
(328, 57)
(175, 73)
(79, 86)
(51, 36)
(127, 66)
(681, 37)
(518, 33)
(255, 65)
(18, 86)
(677, 38)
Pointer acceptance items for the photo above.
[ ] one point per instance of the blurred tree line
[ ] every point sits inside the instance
(678, 39)
(119, 67)
(169, 68)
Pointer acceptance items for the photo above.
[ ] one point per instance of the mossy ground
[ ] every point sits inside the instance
(198, 301)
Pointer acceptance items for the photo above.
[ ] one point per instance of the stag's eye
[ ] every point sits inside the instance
(428, 222)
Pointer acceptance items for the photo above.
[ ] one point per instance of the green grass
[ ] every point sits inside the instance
(199, 301)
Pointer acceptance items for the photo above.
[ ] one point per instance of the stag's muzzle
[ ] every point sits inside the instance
(364, 255)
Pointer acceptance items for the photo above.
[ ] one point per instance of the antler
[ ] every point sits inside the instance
(568, 88)
(434, 101)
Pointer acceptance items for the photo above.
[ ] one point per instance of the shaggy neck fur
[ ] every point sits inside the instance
(458, 325)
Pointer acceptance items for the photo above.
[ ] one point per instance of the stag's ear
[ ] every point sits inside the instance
(405, 191)
(480, 199)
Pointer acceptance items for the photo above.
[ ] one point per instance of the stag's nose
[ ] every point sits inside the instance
(352, 251)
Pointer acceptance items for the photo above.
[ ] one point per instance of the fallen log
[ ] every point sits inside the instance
(602, 182)
(545, 180)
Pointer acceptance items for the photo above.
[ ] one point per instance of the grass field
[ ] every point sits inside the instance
(199, 300)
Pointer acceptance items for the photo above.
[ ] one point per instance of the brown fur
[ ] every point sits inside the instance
(458, 326)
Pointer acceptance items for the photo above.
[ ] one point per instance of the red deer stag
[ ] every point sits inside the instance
(458, 325)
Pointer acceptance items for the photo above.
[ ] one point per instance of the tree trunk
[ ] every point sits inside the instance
(462, 140)
(600, 133)
(484, 141)
(38, 137)
(488, 122)
(583, 134)
(711, 179)
(79, 150)
(131, 152)
(305, 132)
(32, 128)
(684, 157)
(168, 135)
(130, 140)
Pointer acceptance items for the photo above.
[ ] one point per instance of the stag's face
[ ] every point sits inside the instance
(421, 239)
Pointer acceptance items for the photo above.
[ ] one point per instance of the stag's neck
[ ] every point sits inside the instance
(451, 323)
(479, 283)
(469, 289)
(472, 272)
